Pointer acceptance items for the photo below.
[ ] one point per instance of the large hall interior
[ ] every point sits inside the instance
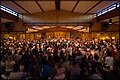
(79, 39)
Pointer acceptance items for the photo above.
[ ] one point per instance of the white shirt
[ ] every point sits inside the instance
(109, 61)
(9, 65)
(70, 50)
(17, 75)
(63, 50)
(93, 52)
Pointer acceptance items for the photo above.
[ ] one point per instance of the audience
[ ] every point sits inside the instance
(60, 59)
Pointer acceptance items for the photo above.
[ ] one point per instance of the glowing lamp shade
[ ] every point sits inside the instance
(45, 27)
(34, 26)
(39, 28)
(76, 28)
(80, 26)
(107, 37)
(113, 37)
(69, 26)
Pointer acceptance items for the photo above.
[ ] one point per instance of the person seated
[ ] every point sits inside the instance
(95, 63)
(98, 74)
(75, 71)
(66, 64)
(60, 72)
(45, 70)
(109, 61)
(9, 64)
(16, 74)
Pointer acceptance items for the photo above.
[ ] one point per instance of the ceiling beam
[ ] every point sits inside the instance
(57, 29)
(75, 6)
(93, 6)
(20, 7)
(57, 4)
(39, 6)
(58, 23)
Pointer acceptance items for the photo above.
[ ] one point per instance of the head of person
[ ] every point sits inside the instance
(16, 67)
(96, 57)
(10, 58)
(109, 54)
(99, 69)
(44, 61)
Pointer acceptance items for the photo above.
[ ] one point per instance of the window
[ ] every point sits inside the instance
(10, 11)
(118, 4)
(110, 8)
(2, 8)
(20, 16)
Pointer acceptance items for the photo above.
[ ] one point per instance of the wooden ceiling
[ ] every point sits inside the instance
(75, 6)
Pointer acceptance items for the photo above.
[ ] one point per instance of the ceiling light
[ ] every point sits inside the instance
(45, 27)
(39, 28)
(35, 26)
(69, 26)
(62, 26)
(53, 26)
(80, 26)
(75, 28)
(32, 30)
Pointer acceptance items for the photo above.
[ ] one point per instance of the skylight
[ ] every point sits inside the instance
(109, 8)
(10, 11)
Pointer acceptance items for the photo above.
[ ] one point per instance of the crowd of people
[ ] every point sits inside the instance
(60, 59)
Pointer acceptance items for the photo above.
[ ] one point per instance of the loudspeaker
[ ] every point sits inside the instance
(110, 21)
(9, 25)
(104, 26)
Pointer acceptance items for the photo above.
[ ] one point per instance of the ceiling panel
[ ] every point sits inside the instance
(67, 5)
(30, 6)
(84, 6)
(47, 5)
(101, 6)
(12, 6)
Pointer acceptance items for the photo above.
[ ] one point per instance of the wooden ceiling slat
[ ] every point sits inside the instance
(75, 5)
(93, 6)
(57, 4)
(39, 5)
(21, 7)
